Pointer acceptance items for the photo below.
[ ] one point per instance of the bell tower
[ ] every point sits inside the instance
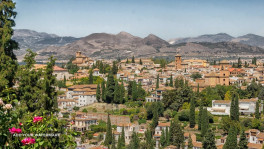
(178, 61)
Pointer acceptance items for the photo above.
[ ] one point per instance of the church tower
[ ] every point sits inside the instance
(178, 61)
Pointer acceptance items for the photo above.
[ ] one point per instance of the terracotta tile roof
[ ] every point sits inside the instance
(260, 135)
(254, 146)
(223, 101)
(164, 124)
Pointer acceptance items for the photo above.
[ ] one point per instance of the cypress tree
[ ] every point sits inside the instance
(171, 81)
(127, 61)
(140, 91)
(149, 140)
(103, 91)
(243, 141)
(198, 88)
(257, 110)
(113, 145)
(49, 100)
(200, 116)
(140, 62)
(234, 110)
(123, 91)
(204, 122)
(231, 140)
(155, 119)
(190, 144)
(163, 139)
(122, 138)
(167, 136)
(90, 76)
(98, 93)
(129, 88)
(110, 88)
(133, 59)
(176, 134)
(134, 91)
(157, 82)
(192, 114)
(119, 145)
(108, 136)
(176, 83)
(30, 84)
(135, 142)
(239, 63)
(8, 63)
(115, 68)
(117, 93)
(209, 140)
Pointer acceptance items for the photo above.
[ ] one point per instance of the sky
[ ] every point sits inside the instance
(165, 18)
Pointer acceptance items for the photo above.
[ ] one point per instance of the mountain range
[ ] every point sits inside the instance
(123, 45)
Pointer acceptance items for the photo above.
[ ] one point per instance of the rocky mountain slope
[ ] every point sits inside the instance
(123, 45)
(29, 39)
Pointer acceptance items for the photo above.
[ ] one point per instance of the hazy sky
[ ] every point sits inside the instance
(165, 18)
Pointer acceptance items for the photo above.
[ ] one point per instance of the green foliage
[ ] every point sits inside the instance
(176, 134)
(227, 123)
(204, 122)
(101, 127)
(234, 109)
(135, 141)
(163, 139)
(108, 136)
(209, 140)
(161, 61)
(133, 59)
(200, 116)
(190, 144)
(192, 114)
(174, 99)
(152, 107)
(98, 93)
(254, 61)
(72, 68)
(110, 88)
(196, 75)
(231, 140)
(149, 140)
(90, 76)
(243, 141)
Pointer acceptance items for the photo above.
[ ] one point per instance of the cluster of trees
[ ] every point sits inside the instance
(163, 62)
(114, 92)
(35, 94)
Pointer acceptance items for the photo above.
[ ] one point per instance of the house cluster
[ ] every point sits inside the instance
(254, 137)
(77, 95)
(222, 107)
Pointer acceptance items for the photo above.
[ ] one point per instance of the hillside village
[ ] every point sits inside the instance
(210, 87)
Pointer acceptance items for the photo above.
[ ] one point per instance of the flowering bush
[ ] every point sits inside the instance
(15, 130)
(28, 141)
(37, 119)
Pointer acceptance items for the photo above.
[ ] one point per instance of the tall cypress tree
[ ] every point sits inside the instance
(98, 92)
(157, 82)
(204, 122)
(200, 116)
(90, 76)
(231, 140)
(119, 146)
(176, 83)
(110, 88)
(108, 136)
(30, 84)
(133, 59)
(8, 63)
(257, 110)
(103, 91)
(114, 68)
(123, 91)
(243, 141)
(171, 81)
(113, 145)
(135, 142)
(117, 93)
(149, 140)
(167, 136)
(209, 140)
(140, 62)
(122, 138)
(163, 139)
(192, 114)
(134, 91)
(190, 144)
(234, 110)
(49, 99)
(176, 134)
(155, 119)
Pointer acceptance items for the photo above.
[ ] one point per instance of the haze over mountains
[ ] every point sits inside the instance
(123, 44)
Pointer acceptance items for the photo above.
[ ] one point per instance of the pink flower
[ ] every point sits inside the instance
(37, 119)
(27, 141)
(20, 124)
(15, 130)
